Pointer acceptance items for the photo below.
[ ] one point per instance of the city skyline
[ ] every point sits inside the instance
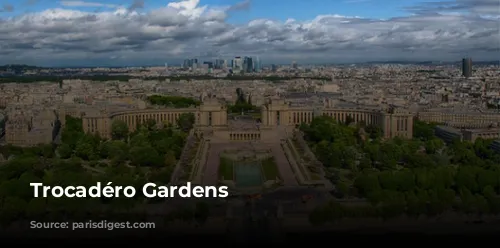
(118, 33)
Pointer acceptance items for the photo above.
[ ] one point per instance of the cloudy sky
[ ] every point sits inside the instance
(147, 32)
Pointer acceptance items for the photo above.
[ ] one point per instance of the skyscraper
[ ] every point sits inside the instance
(186, 63)
(247, 65)
(256, 65)
(467, 67)
(237, 64)
(190, 63)
(218, 63)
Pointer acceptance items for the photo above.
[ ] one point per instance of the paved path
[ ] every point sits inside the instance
(283, 165)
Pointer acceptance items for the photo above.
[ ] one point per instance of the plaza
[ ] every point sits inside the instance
(246, 155)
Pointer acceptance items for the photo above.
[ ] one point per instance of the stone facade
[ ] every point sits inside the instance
(278, 119)
(393, 122)
(22, 130)
(462, 119)
(212, 115)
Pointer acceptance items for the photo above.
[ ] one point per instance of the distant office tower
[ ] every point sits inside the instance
(256, 65)
(467, 67)
(186, 63)
(190, 63)
(219, 63)
(247, 65)
(274, 67)
(244, 65)
(209, 64)
(294, 65)
(237, 64)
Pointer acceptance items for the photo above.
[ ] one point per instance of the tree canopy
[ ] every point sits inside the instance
(148, 154)
(419, 176)
(173, 101)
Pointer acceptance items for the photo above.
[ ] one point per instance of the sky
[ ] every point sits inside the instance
(153, 32)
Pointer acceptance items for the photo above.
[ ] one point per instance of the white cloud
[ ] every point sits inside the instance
(185, 29)
(87, 4)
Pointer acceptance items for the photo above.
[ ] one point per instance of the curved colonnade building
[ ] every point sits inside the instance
(276, 114)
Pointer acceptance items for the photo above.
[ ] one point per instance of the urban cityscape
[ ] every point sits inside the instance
(403, 143)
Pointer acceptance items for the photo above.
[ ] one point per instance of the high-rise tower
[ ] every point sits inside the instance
(237, 64)
(467, 67)
(247, 65)
(257, 65)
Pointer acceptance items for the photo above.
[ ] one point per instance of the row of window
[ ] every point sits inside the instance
(307, 117)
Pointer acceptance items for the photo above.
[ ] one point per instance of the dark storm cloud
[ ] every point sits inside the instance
(184, 28)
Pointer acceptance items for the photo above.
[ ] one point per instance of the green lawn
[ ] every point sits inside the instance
(270, 169)
(256, 115)
(226, 168)
(315, 176)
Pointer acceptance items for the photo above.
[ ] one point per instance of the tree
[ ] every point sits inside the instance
(433, 145)
(186, 121)
(366, 183)
(170, 159)
(487, 178)
(161, 176)
(173, 101)
(12, 209)
(374, 131)
(64, 151)
(17, 166)
(140, 139)
(415, 205)
(117, 150)
(348, 120)
(151, 124)
(84, 149)
(145, 156)
(466, 178)
(46, 150)
(119, 129)
(72, 131)
(342, 188)
(423, 131)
